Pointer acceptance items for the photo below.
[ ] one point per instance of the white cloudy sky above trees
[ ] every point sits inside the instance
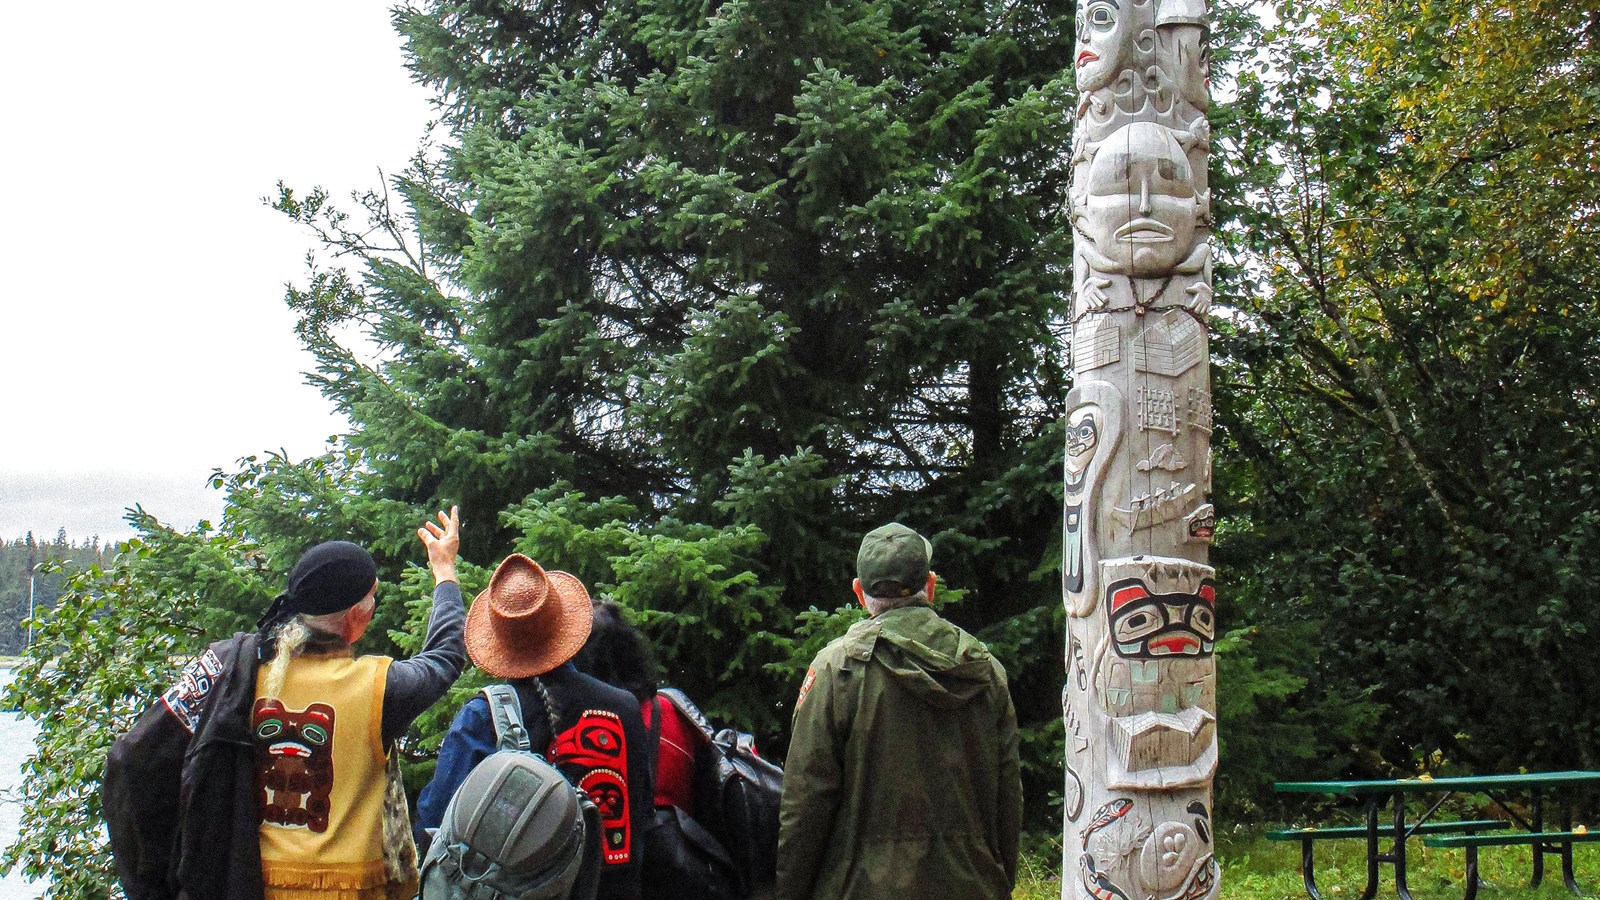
(146, 338)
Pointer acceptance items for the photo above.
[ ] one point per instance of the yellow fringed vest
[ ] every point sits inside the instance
(320, 779)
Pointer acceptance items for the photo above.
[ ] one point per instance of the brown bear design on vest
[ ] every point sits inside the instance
(294, 763)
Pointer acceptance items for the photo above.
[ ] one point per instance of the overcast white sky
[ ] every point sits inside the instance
(145, 337)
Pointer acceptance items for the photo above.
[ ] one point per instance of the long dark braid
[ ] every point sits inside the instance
(549, 708)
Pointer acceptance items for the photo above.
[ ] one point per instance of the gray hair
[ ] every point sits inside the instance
(292, 638)
(879, 605)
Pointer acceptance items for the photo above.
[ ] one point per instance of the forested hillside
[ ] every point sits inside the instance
(18, 560)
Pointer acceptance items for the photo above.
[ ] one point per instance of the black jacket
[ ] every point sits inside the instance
(179, 795)
(578, 745)
(578, 697)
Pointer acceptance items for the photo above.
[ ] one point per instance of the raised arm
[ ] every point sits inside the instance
(414, 684)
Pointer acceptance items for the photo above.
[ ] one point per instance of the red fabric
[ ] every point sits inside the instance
(674, 754)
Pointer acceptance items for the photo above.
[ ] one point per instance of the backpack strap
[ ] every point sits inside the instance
(655, 735)
(691, 712)
(587, 887)
(505, 711)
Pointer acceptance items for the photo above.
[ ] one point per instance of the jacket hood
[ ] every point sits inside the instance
(939, 663)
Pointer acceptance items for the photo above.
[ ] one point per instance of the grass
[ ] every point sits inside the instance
(1254, 868)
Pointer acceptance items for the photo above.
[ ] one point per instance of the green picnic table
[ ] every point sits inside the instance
(1467, 835)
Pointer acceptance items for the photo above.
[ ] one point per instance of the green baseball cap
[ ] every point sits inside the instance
(893, 561)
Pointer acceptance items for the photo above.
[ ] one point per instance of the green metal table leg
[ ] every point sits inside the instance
(1398, 853)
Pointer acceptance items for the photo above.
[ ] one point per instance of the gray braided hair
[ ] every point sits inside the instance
(292, 637)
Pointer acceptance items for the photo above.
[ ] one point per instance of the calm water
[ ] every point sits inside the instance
(16, 745)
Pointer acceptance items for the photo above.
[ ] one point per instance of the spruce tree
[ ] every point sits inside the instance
(695, 294)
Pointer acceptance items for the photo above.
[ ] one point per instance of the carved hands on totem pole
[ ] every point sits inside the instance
(1139, 704)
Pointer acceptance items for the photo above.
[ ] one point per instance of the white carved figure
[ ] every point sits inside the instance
(1094, 432)
(1139, 704)
(1141, 211)
(1101, 43)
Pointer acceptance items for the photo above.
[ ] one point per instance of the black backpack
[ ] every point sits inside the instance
(682, 861)
(736, 797)
(515, 829)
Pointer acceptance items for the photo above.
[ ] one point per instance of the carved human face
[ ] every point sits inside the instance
(1083, 434)
(1202, 524)
(1142, 210)
(1102, 25)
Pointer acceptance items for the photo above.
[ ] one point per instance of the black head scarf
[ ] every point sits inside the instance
(329, 577)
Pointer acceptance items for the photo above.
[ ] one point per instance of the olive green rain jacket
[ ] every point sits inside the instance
(902, 780)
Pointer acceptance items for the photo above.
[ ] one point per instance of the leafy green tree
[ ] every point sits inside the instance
(1413, 373)
(114, 640)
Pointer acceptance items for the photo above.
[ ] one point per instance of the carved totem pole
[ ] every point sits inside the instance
(1140, 700)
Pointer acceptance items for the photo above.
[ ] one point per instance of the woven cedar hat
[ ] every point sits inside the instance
(528, 621)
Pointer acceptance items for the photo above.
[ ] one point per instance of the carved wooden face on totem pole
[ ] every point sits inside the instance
(1140, 699)
(1083, 434)
(1101, 42)
(1142, 210)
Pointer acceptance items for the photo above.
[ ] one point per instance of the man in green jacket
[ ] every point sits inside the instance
(902, 780)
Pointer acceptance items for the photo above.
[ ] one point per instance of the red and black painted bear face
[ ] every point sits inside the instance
(294, 763)
(1158, 626)
(597, 745)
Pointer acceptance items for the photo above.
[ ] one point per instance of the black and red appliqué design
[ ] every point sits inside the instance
(294, 763)
(1160, 626)
(597, 745)
(187, 695)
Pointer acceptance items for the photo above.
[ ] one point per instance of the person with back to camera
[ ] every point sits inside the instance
(261, 774)
(619, 655)
(903, 781)
(525, 628)
(683, 861)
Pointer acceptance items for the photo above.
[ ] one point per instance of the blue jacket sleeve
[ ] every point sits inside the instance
(470, 739)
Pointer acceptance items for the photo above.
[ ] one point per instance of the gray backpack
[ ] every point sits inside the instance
(515, 829)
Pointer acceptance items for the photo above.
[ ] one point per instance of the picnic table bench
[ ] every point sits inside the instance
(1542, 842)
(1464, 834)
(1308, 836)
